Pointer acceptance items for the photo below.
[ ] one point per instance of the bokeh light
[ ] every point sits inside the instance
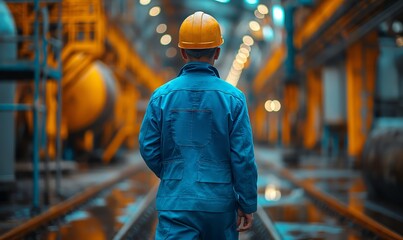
(154, 11)
(166, 39)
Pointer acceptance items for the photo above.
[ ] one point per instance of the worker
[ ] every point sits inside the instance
(196, 137)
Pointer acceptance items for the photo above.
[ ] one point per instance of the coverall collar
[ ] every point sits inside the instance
(200, 68)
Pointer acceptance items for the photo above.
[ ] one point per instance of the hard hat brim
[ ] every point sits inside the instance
(192, 45)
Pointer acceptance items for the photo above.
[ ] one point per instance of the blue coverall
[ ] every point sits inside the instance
(196, 137)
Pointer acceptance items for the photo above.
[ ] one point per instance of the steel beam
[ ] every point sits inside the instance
(36, 145)
(272, 65)
(316, 20)
(361, 73)
(289, 111)
(313, 109)
(361, 19)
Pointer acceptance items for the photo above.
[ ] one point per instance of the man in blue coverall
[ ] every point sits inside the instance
(196, 137)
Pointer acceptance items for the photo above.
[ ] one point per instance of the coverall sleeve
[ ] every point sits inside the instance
(150, 139)
(243, 160)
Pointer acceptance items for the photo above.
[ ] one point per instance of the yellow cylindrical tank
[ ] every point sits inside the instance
(89, 100)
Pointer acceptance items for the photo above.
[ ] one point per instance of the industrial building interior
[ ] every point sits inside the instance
(323, 81)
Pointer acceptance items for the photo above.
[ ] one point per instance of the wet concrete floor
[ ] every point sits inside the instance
(295, 215)
(102, 217)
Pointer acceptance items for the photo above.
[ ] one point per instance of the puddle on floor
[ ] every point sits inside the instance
(102, 217)
(295, 216)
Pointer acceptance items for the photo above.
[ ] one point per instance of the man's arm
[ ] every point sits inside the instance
(150, 139)
(243, 161)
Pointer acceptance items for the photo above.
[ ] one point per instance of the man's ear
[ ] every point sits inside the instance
(217, 53)
(184, 55)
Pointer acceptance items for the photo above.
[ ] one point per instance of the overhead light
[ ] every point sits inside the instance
(233, 79)
(397, 27)
(258, 14)
(275, 105)
(154, 11)
(271, 193)
(161, 28)
(237, 65)
(268, 33)
(241, 57)
(254, 26)
(236, 73)
(145, 2)
(223, 1)
(166, 39)
(171, 52)
(251, 2)
(239, 62)
(278, 15)
(267, 106)
(248, 40)
(244, 51)
(243, 45)
(272, 105)
(262, 9)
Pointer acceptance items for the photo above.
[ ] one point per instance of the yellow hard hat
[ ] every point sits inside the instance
(200, 31)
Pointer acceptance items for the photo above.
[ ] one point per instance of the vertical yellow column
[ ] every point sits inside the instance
(131, 122)
(260, 121)
(273, 127)
(51, 104)
(289, 111)
(361, 74)
(314, 108)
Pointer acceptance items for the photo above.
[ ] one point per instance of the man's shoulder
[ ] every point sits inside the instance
(212, 84)
(164, 88)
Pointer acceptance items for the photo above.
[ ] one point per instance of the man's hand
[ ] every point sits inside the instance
(244, 221)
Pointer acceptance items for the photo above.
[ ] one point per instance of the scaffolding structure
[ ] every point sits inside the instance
(58, 40)
(39, 60)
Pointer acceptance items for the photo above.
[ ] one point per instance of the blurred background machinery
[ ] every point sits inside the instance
(98, 108)
(9, 53)
(90, 112)
(339, 83)
(321, 77)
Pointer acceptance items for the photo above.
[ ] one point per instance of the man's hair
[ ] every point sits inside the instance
(198, 53)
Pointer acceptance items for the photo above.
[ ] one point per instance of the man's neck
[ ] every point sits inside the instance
(202, 59)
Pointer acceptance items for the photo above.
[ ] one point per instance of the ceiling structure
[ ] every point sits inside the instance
(147, 22)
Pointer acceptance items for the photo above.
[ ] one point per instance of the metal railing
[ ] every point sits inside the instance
(34, 26)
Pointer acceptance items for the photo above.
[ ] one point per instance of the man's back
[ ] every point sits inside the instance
(196, 113)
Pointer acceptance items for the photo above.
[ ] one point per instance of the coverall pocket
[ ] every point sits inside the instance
(211, 173)
(172, 170)
(191, 127)
(214, 182)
